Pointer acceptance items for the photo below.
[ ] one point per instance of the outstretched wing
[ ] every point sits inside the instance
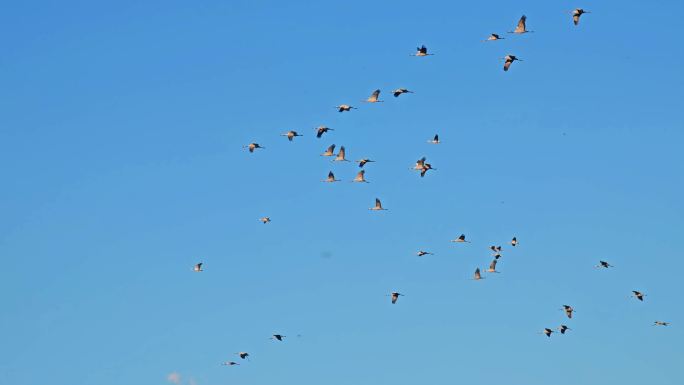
(521, 25)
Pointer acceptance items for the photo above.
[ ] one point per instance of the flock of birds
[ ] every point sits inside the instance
(423, 167)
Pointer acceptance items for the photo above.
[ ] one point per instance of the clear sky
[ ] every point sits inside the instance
(121, 133)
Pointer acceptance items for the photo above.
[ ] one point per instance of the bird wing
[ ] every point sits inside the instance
(331, 149)
(492, 266)
(521, 24)
(378, 204)
(331, 176)
(374, 96)
(477, 273)
(507, 64)
(341, 153)
(576, 17)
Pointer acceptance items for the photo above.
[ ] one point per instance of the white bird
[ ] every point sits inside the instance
(493, 37)
(422, 51)
(320, 130)
(395, 296)
(460, 239)
(341, 155)
(374, 98)
(265, 220)
(252, 146)
(477, 276)
(198, 268)
(362, 162)
(434, 140)
(345, 107)
(331, 178)
(492, 267)
(422, 253)
(521, 28)
(514, 241)
(508, 60)
(576, 15)
(330, 151)
(378, 205)
(400, 91)
(360, 177)
(291, 135)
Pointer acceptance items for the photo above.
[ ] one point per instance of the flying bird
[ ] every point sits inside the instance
(640, 296)
(521, 28)
(563, 329)
(378, 205)
(493, 37)
(422, 51)
(363, 161)
(495, 249)
(291, 135)
(374, 98)
(434, 140)
(341, 155)
(422, 253)
(330, 151)
(395, 296)
(360, 177)
(320, 130)
(604, 264)
(230, 363)
(460, 239)
(576, 15)
(568, 310)
(331, 178)
(265, 220)
(661, 323)
(509, 59)
(243, 355)
(514, 241)
(548, 332)
(477, 276)
(400, 91)
(345, 107)
(492, 266)
(278, 337)
(252, 146)
(197, 268)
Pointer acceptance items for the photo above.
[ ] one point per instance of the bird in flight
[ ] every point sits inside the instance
(477, 276)
(638, 295)
(568, 310)
(378, 206)
(576, 15)
(230, 363)
(492, 266)
(563, 329)
(509, 59)
(460, 239)
(604, 264)
(514, 241)
(400, 91)
(331, 178)
(265, 220)
(278, 337)
(493, 37)
(341, 155)
(434, 140)
(422, 253)
(661, 323)
(422, 166)
(548, 332)
(395, 296)
(330, 151)
(291, 135)
(422, 51)
(243, 355)
(521, 28)
(345, 107)
(374, 98)
(495, 249)
(363, 161)
(197, 268)
(360, 177)
(252, 146)
(320, 130)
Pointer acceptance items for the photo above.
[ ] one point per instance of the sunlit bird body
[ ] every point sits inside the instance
(508, 60)
(330, 151)
(320, 130)
(422, 51)
(547, 332)
(291, 135)
(493, 37)
(197, 268)
(638, 295)
(434, 140)
(374, 98)
(395, 296)
(341, 155)
(400, 91)
(253, 146)
(521, 27)
(330, 178)
(362, 162)
(345, 107)
(576, 15)
(514, 241)
(360, 177)
(568, 310)
(477, 276)
(378, 206)
(460, 239)
(265, 220)
(492, 267)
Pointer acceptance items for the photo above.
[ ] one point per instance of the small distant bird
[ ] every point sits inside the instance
(395, 296)
(278, 337)
(477, 276)
(495, 249)
(378, 205)
(331, 178)
(197, 268)
(291, 135)
(363, 161)
(374, 98)
(640, 296)
(243, 355)
(521, 28)
(434, 140)
(422, 51)
(230, 363)
(360, 177)
(252, 146)
(604, 264)
(422, 166)
(660, 323)
(497, 255)
(265, 220)
(514, 241)
(576, 15)
(493, 37)
(330, 151)
(422, 253)
(460, 239)
(400, 91)
(492, 266)
(548, 332)
(345, 107)
(341, 155)
(509, 59)
(568, 310)
(320, 130)
(563, 329)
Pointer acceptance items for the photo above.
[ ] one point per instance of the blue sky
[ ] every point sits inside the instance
(121, 144)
